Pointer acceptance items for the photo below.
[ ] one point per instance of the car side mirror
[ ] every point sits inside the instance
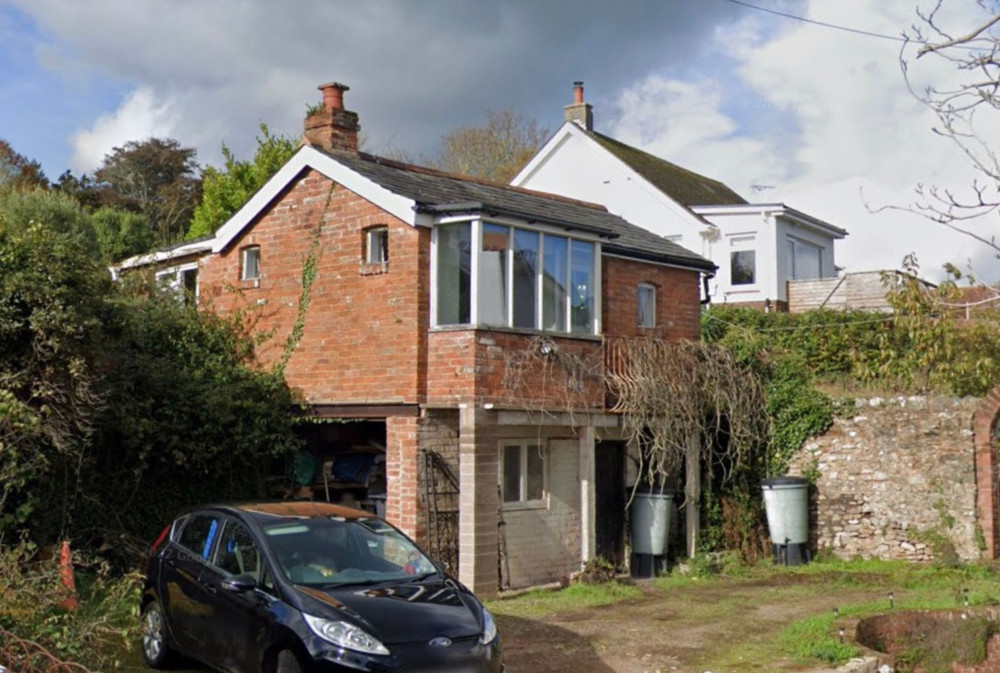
(240, 583)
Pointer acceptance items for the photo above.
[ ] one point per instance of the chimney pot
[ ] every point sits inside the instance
(578, 111)
(333, 95)
(333, 129)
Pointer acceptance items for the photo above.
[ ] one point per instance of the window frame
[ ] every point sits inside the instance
(476, 226)
(525, 445)
(792, 243)
(244, 252)
(172, 279)
(645, 287)
(742, 243)
(371, 234)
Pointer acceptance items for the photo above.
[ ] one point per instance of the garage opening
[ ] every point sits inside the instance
(343, 462)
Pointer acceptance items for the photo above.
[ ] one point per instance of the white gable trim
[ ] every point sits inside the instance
(572, 129)
(308, 157)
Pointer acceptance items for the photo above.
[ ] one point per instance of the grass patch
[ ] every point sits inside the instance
(574, 597)
(812, 638)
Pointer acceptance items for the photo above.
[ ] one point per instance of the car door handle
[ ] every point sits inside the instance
(211, 588)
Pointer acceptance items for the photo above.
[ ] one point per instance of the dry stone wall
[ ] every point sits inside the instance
(896, 480)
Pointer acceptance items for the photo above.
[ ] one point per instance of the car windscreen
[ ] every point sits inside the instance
(332, 551)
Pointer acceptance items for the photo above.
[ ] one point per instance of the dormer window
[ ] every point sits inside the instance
(376, 245)
(250, 263)
(504, 276)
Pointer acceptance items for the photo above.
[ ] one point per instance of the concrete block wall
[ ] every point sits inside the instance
(543, 544)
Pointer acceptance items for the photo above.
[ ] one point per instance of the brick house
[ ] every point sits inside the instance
(448, 323)
(758, 247)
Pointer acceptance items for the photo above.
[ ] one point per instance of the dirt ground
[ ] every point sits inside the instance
(722, 626)
(690, 629)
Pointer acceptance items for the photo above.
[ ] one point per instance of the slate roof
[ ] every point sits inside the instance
(686, 187)
(438, 192)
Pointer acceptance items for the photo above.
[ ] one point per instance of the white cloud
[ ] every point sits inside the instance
(837, 121)
(139, 117)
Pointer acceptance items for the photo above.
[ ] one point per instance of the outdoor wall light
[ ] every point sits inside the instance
(841, 631)
(546, 347)
(836, 611)
(892, 596)
(965, 591)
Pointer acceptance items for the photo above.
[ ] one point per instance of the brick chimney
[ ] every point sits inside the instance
(580, 112)
(332, 128)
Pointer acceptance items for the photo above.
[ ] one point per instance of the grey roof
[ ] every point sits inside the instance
(686, 187)
(438, 192)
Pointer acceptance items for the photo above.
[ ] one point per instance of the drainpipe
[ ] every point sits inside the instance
(704, 285)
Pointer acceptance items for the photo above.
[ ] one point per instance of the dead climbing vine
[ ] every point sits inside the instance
(671, 396)
(677, 397)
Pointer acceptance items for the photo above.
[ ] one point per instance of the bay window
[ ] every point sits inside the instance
(504, 276)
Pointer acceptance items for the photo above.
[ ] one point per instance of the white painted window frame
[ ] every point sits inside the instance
(743, 242)
(172, 279)
(645, 287)
(476, 239)
(244, 252)
(378, 234)
(526, 445)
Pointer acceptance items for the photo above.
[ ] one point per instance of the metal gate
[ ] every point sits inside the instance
(442, 510)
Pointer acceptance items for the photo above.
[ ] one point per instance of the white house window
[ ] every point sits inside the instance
(647, 305)
(454, 274)
(742, 261)
(804, 260)
(518, 278)
(250, 263)
(377, 245)
(182, 282)
(524, 472)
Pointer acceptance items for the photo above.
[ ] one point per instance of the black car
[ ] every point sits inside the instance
(291, 587)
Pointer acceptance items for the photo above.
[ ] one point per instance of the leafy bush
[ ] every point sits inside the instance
(97, 634)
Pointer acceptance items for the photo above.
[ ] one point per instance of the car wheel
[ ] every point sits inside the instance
(288, 662)
(155, 648)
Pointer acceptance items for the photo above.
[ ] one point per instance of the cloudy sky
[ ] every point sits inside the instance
(780, 109)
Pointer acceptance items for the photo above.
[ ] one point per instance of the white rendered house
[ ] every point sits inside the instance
(757, 247)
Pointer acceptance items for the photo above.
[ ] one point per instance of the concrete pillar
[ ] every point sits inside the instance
(402, 471)
(588, 518)
(479, 502)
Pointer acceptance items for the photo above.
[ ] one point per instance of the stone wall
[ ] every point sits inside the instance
(896, 480)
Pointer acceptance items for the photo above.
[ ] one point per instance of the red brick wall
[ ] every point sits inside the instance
(678, 301)
(364, 337)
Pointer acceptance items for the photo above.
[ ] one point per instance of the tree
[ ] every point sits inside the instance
(963, 109)
(80, 188)
(495, 151)
(225, 190)
(157, 178)
(121, 234)
(119, 405)
(18, 172)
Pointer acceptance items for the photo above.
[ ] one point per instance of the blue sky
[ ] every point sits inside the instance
(819, 117)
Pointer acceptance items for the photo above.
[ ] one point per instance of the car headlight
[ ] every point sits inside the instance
(489, 628)
(345, 635)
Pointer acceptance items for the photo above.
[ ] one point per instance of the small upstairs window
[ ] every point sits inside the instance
(647, 305)
(250, 263)
(376, 245)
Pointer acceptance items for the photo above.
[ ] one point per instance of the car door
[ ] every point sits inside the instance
(240, 618)
(186, 600)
